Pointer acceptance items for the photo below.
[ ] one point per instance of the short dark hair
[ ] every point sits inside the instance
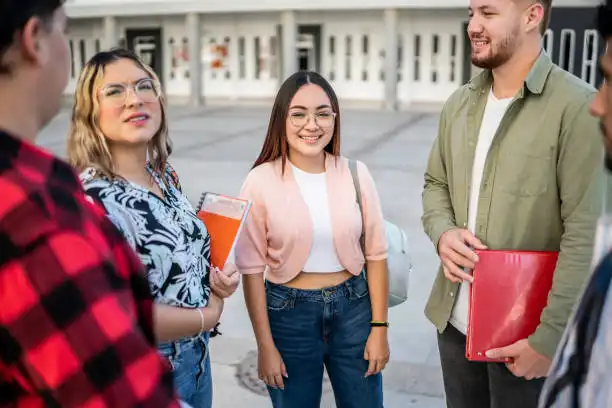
(604, 19)
(15, 14)
(547, 5)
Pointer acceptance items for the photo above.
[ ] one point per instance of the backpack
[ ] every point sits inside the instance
(399, 263)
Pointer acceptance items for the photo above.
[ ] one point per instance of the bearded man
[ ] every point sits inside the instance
(510, 169)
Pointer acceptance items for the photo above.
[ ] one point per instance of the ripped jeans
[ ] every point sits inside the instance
(190, 364)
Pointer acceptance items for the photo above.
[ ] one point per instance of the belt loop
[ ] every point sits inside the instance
(177, 349)
(349, 288)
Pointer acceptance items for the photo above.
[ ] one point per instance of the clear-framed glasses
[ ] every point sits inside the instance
(147, 90)
(323, 119)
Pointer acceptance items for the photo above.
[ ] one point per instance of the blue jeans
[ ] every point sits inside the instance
(329, 327)
(190, 363)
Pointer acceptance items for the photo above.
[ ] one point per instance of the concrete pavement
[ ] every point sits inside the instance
(214, 149)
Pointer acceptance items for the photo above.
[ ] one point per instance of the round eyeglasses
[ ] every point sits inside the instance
(147, 90)
(323, 119)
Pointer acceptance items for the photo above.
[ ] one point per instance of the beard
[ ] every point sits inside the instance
(499, 53)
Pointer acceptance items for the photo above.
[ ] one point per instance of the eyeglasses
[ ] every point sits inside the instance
(147, 90)
(323, 119)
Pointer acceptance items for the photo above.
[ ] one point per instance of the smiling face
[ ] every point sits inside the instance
(310, 122)
(497, 29)
(130, 110)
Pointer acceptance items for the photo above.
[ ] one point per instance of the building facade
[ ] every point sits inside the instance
(390, 53)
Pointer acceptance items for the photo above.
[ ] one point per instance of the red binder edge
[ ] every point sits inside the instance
(480, 357)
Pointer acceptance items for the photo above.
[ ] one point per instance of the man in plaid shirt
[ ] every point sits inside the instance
(75, 308)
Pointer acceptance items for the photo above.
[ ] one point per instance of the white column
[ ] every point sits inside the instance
(110, 32)
(391, 58)
(289, 47)
(194, 35)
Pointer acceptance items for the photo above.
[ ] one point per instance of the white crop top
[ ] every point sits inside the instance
(322, 256)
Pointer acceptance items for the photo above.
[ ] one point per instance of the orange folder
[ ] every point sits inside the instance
(509, 292)
(224, 217)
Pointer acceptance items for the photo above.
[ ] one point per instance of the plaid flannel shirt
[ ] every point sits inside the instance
(76, 327)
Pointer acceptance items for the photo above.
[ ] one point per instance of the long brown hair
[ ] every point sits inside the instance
(276, 144)
(87, 145)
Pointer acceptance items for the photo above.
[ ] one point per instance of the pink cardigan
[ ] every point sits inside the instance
(278, 232)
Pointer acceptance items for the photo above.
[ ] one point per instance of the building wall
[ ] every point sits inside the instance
(97, 8)
(241, 53)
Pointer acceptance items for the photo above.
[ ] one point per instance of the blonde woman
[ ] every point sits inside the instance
(118, 140)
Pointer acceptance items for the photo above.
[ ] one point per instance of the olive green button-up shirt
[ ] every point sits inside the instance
(542, 185)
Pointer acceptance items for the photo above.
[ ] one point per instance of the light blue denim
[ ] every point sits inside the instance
(190, 363)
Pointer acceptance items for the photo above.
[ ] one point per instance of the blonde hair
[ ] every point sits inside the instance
(87, 145)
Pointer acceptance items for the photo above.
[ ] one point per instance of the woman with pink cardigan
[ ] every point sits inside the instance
(314, 308)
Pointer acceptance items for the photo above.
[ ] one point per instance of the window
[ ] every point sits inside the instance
(72, 69)
(82, 52)
(185, 53)
(366, 59)
(417, 58)
(567, 50)
(589, 56)
(257, 53)
(213, 57)
(273, 57)
(347, 62)
(226, 43)
(548, 41)
(332, 58)
(453, 58)
(434, 57)
(400, 56)
(241, 58)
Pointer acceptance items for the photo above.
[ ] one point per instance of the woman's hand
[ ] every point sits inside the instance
(271, 367)
(224, 283)
(377, 350)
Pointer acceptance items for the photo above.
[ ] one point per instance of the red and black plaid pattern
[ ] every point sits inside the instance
(75, 309)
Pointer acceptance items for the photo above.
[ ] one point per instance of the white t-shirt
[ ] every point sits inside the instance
(322, 256)
(493, 114)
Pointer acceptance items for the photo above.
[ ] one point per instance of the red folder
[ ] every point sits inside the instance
(509, 292)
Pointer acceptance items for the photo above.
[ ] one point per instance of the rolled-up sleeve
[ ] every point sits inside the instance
(252, 246)
(376, 245)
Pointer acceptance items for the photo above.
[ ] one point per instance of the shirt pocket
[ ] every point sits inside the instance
(526, 173)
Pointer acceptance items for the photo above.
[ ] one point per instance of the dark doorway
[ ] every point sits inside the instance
(147, 43)
(309, 47)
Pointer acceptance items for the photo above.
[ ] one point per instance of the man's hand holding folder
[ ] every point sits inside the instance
(522, 360)
(455, 249)
(459, 251)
